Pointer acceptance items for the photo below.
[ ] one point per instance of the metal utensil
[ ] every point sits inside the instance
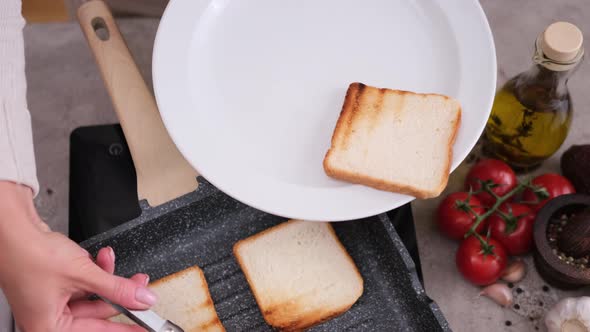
(147, 319)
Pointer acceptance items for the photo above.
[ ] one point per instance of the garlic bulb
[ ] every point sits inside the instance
(569, 315)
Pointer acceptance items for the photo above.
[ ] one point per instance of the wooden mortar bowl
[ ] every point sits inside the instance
(554, 271)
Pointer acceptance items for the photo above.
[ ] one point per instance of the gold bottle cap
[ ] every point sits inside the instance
(561, 41)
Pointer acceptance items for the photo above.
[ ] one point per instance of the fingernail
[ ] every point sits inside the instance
(111, 253)
(146, 279)
(145, 296)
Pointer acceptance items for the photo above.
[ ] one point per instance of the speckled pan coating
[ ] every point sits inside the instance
(201, 228)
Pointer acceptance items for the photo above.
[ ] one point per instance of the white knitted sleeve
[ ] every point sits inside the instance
(17, 160)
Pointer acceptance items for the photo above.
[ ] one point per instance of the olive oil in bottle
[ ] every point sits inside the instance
(532, 112)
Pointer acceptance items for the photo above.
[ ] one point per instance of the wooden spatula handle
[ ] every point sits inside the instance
(162, 172)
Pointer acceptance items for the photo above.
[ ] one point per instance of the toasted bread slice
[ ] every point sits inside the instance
(184, 299)
(299, 273)
(394, 140)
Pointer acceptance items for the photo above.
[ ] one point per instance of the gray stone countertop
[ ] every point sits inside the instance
(66, 91)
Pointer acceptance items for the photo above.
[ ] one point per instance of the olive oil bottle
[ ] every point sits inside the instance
(532, 112)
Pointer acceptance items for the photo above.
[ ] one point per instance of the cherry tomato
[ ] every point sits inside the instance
(493, 170)
(555, 184)
(453, 220)
(482, 265)
(515, 232)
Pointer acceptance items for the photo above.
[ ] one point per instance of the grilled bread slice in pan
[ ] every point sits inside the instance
(394, 140)
(183, 298)
(299, 273)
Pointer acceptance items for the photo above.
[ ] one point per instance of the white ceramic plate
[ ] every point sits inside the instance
(250, 91)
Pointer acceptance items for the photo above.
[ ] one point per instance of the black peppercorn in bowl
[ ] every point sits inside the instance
(562, 241)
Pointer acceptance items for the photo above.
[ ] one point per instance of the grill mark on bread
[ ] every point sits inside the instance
(451, 143)
(375, 117)
(360, 87)
(350, 109)
(399, 107)
(207, 303)
(378, 104)
(342, 124)
(211, 323)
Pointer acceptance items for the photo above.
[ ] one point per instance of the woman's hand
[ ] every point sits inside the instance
(47, 278)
